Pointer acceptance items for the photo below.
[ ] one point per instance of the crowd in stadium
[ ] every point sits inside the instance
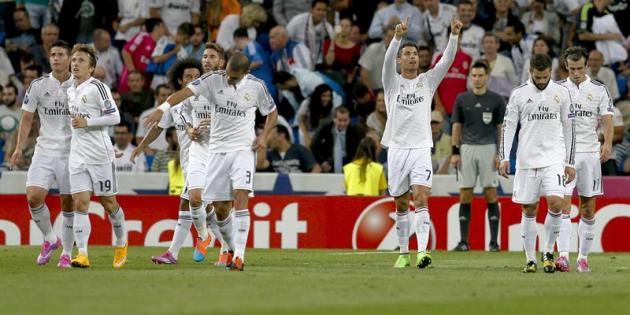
(321, 60)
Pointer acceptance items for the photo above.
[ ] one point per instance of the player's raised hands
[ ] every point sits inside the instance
(401, 29)
(504, 168)
(456, 26)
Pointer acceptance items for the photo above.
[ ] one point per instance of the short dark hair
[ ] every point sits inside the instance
(280, 129)
(575, 53)
(341, 110)
(151, 23)
(517, 25)
(493, 35)
(481, 64)
(135, 71)
(27, 57)
(282, 77)
(359, 90)
(126, 124)
(186, 28)
(36, 68)
(177, 71)
(540, 62)
(216, 47)
(159, 87)
(405, 45)
(464, 2)
(241, 32)
(424, 48)
(315, 2)
(62, 44)
(11, 86)
(239, 62)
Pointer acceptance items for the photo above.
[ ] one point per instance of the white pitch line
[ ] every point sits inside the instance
(362, 253)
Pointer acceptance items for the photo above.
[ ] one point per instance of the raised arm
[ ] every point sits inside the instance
(174, 99)
(438, 72)
(389, 66)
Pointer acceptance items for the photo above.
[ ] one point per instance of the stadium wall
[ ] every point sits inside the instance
(293, 184)
(335, 222)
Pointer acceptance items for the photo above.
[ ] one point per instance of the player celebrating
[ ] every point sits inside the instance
(407, 134)
(545, 154)
(92, 155)
(230, 170)
(592, 102)
(48, 96)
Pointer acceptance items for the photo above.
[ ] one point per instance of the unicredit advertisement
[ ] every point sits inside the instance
(360, 223)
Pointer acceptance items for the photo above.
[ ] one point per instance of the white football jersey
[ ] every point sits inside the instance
(591, 101)
(471, 41)
(48, 96)
(174, 117)
(128, 11)
(198, 108)
(408, 102)
(547, 135)
(124, 164)
(234, 109)
(175, 12)
(91, 145)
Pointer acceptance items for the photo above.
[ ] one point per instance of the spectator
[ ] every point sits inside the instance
(7, 72)
(301, 83)
(217, 10)
(138, 98)
(362, 104)
(162, 157)
(49, 35)
(312, 29)
(372, 60)
(314, 112)
(393, 14)
(377, 119)
(176, 180)
(441, 151)
(79, 18)
(124, 116)
(338, 9)
(342, 55)
(137, 52)
(424, 59)
(364, 176)
(591, 10)
(37, 11)
(335, 144)
(131, 17)
(454, 81)
(23, 39)
(108, 56)
(623, 104)
(252, 17)
(122, 144)
(30, 74)
(539, 21)
(285, 157)
(517, 47)
(437, 19)
(502, 76)
(175, 12)
(167, 50)
(621, 156)
(602, 74)
(260, 62)
(162, 92)
(288, 54)
(285, 10)
(196, 45)
(472, 33)
(502, 18)
(542, 45)
(9, 108)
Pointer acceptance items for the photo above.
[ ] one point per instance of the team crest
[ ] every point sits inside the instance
(84, 99)
(465, 64)
(108, 104)
(419, 85)
(247, 97)
(556, 98)
(486, 117)
(590, 97)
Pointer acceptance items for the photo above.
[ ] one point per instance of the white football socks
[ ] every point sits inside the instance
(402, 229)
(182, 229)
(586, 233)
(41, 217)
(423, 228)
(82, 229)
(241, 231)
(117, 218)
(564, 238)
(552, 229)
(528, 232)
(67, 232)
(198, 215)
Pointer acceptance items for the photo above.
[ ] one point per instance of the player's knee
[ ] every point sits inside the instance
(555, 204)
(241, 199)
(402, 203)
(195, 198)
(222, 209)
(490, 194)
(81, 204)
(35, 198)
(465, 196)
(66, 203)
(587, 208)
(109, 203)
(530, 210)
(421, 199)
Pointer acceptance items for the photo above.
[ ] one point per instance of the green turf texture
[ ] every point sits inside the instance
(310, 282)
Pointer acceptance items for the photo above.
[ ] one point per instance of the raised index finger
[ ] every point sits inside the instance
(406, 22)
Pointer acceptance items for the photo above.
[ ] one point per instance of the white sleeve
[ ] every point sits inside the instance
(31, 98)
(109, 111)
(389, 65)
(567, 116)
(511, 73)
(159, 47)
(510, 120)
(438, 72)
(141, 131)
(225, 35)
(605, 106)
(293, 26)
(265, 103)
(185, 115)
(167, 120)
(201, 86)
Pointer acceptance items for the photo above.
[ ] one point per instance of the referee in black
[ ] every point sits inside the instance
(477, 120)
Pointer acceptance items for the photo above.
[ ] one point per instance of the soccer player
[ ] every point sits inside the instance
(592, 102)
(407, 133)
(545, 158)
(47, 95)
(477, 120)
(231, 164)
(92, 155)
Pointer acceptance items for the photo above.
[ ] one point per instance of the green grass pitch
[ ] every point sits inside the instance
(310, 282)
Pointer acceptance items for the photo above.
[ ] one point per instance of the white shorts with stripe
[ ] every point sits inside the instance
(531, 184)
(45, 170)
(407, 167)
(98, 178)
(588, 175)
